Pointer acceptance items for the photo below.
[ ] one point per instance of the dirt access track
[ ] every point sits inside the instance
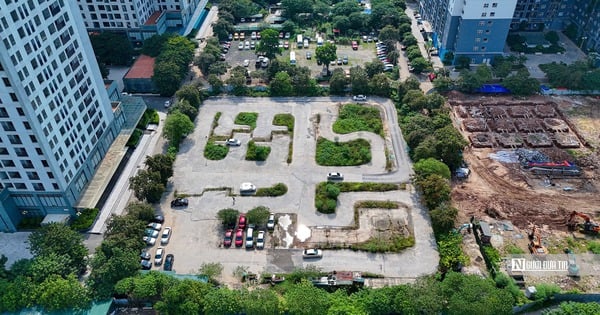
(505, 191)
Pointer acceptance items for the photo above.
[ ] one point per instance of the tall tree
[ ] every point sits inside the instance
(177, 126)
(147, 186)
(359, 80)
(222, 301)
(338, 82)
(326, 53)
(269, 43)
(166, 78)
(112, 48)
(305, 298)
(161, 163)
(281, 85)
(522, 83)
(58, 239)
(191, 94)
(185, 108)
(380, 85)
(57, 293)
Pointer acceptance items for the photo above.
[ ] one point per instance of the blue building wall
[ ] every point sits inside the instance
(481, 40)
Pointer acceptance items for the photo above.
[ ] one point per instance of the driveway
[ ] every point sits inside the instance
(197, 234)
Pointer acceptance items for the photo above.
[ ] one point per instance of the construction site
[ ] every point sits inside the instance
(532, 186)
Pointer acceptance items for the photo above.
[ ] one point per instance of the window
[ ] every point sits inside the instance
(27, 163)
(479, 32)
(486, 5)
(21, 152)
(482, 47)
(492, 13)
(481, 23)
(494, 5)
(3, 151)
(8, 126)
(20, 186)
(483, 14)
(14, 175)
(8, 163)
(14, 139)
(38, 186)
(485, 40)
(33, 175)
(477, 40)
(475, 48)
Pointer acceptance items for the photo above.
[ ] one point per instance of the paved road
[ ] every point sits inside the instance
(197, 234)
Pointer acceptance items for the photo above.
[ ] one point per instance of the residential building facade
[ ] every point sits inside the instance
(475, 29)
(539, 15)
(585, 15)
(56, 119)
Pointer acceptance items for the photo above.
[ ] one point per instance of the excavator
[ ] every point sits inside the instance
(588, 227)
(535, 243)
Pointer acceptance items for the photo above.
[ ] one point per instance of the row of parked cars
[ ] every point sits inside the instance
(382, 56)
(151, 235)
(159, 257)
(247, 240)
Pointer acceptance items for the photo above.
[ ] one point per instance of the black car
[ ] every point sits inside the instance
(179, 202)
(158, 219)
(168, 265)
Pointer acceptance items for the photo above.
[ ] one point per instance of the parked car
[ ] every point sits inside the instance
(335, 176)
(151, 233)
(167, 104)
(271, 222)
(252, 45)
(166, 235)
(146, 264)
(286, 45)
(287, 35)
(230, 37)
(233, 142)
(179, 202)
(354, 45)
(312, 253)
(260, 240)
(239, 237)
(150, 241)
(159, 256)
(339, 61)
(154, 225)
(258, 35)
(247, 188)
(359, 98)
(280, 34)
(250, 237)
(246, 63)
(169, 260)
(345, 60)
(145, 255)
(247, 45)
(236, 36)
(242, 221)
(241, 45)
(228, 238)
(158, 219)
(242, 36)
(280, 44)
(308, 55)
(253, 35)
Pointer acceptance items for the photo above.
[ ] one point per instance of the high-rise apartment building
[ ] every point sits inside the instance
(476, 29)
(538, 15)
(56, 121)
(139, 19)
(585, 15)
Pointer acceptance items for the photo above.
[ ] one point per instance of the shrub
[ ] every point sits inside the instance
(135, 137)
(594, 247)
(493, 257)
(284, 120)
(545, 291)
(257, 152)
(215, 123)
(354, 117)
(451, 254)
(246, 118)
(30, 223)
(352, 153)
(85, 219)
(326, 193)
(154, 119)
(214, 151)
(278, 189)
(380, 245)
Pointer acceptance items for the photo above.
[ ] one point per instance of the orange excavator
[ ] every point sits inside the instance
(588, 226)
(535, 243)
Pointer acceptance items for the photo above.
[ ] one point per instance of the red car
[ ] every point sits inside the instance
(354, 45)
(239, 238)
(228, 237)
(242, 221)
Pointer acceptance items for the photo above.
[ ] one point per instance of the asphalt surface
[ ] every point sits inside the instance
(197, 234)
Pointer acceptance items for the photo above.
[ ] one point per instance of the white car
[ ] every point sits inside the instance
(312, 253)
(166, 234)
(247, 188)
(156, 226)
(246, 63)
(233, 142)
(271, 222)
(241, 46)
(359, 98)
(159, 256)
(260, 240)
(335, 176)
(150, 241)
(167, 104)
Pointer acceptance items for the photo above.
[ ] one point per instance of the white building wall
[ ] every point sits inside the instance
(485, 9)
(115, 14)
(52, 95)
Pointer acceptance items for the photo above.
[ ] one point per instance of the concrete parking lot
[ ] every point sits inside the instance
(197, 235)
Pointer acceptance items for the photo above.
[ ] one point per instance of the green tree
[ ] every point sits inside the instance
(469, 81)
(374, 67)
(228, 217)
(281, 85)
(434, 101)
(222, 28)
(415, 100)
(463, 62)
(443, 84)
(380, 85)
(346, 7)
(57, 293)
(237, 80)
(435, 190)
(215, 83)
(389, 34)
(212, 271)
(305, 298)
(112, 48)
(545, 291)
(303, 83)
(184, 297)
(261, 301)
(166, 78)
(449, 146)
(147, 186)
(376, 301)
(185, 108)
(161, 163)
(419, 64)
(522, 83)
(426, 167)
(154, 45)
(58, 239)
(110, 266)
(409, 40)
(269, 43)
(222, 301)
(258, 215)
(338, 82)
(342, 304)
(442, 218)
(140, 211)
(177, 126)
(45, 266)
(475, 295)
(17, 294)
(552, 37)
(422, 297)
(291, 8)
(191, 94)
(359, 80)
(326, 53)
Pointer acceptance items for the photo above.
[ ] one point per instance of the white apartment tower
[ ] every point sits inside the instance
(56, 121)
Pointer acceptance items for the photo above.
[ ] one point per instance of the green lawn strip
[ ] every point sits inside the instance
(351, 153)
(276, 190)
(257, 152)
(354, 117)
(327, 192)
(213, 151)
(247, 118)
(288, 121)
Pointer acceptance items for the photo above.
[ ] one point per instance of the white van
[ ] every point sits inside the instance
(293, 58)
(250, 237)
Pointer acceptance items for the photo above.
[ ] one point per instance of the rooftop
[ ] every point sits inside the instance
(153, 18)
(143, 68)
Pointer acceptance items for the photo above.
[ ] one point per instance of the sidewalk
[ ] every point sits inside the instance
(121, 195)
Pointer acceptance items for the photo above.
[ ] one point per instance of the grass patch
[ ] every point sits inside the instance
(278, 189)
(135, 137)
(326, 193)
(257, 152)
(393, 244)
(85, 219)
(594, 247)
(215, 123)
(513, 249)
(214, 151)
(288, 121)
(284, 120)
(351, 153)
(247, 118)
(150, 116)
(354, 117)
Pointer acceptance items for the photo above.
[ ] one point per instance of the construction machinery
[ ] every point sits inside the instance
(588, 226)
(535, 242)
